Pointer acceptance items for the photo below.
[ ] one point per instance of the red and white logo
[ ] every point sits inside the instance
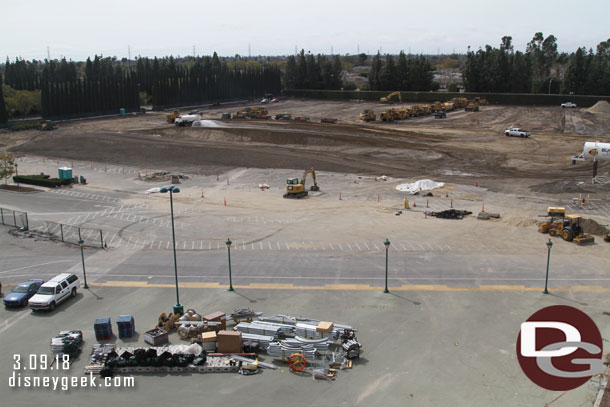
(559, 348)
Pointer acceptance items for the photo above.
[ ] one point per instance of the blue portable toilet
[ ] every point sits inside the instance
(65, 173)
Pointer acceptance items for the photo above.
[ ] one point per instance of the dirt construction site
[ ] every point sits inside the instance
(325, 252)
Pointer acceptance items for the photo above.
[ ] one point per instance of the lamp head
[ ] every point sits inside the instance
(386, 243)
(170, 188)
(549, 244)
(81, 242)
(228, 243)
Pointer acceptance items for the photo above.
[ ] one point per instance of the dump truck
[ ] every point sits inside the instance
(391, 98)
(472, 106)
(252, 113)
(368, 116)
(386, 116)
(296, 189)
(459, 102)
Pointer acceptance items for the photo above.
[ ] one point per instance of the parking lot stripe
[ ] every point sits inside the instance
(367, 246)
(403, 248)
(348, 245)
(201, 247)
(375, 244)
(269, 245)
(356, 243)
(151, 243)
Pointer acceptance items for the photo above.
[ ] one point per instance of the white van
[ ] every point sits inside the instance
(54, 291)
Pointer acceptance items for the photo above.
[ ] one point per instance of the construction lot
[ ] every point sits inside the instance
(460, 288)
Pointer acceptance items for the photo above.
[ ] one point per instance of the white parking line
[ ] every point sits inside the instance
(151, 243)
(201, 246)
(367, 246)
(278, 245)
(403, 247)
(331, 246)
(287, 247)
(159, 245)
(269, 243)
(357, 246)
(374, 244)
(431, 248)
(113, 237)
(261, 243)
(167, 245)
(350, 247)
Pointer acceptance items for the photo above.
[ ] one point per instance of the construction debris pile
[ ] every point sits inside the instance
(450, 214)
(309, 346)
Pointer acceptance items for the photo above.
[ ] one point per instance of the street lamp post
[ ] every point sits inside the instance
(387, 246)
(228, 243)
(549, 244)
(17, 174)
(178, 309)
(81, 243)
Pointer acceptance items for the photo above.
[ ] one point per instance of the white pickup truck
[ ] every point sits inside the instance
(187, 120)
(568, 105)
(517, 132)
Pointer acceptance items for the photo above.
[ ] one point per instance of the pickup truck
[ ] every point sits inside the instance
(517, 132)
(568, 105)
(186, 120)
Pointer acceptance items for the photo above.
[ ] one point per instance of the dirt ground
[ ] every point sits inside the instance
(460, 148)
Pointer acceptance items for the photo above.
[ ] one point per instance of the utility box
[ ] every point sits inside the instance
(64, 173)
(217, 317)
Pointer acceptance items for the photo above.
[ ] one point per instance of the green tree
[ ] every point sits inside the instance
(375, 73)
(389, 76)
(290, 74)
(301, 71)
(575, 77)
(362, 57)
(402, 72)
(7, 166)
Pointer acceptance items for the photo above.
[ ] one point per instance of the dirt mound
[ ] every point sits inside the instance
(592, 227)
(520, 221)
(600, 107)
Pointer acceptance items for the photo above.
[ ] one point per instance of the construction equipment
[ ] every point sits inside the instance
(47, 125)
(472, 106)
(171, 118)
(568, 227)
(386, 116)
(368, 116)
(252, 113)
(296, 189)
(283, 116)
(482, 102)
(448, 106)
(440, 114)
(459, 102)
(437, 106)
(391, 98)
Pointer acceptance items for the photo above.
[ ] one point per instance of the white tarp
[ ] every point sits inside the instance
(421, 185)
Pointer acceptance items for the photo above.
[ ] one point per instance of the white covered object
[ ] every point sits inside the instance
(421, 185)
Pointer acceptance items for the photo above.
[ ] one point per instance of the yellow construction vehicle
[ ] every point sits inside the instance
(459, 102)
(472, 106)
(482, 102)
(390, 98)
(437, 106)
(448, 106)
(368, 116)
(252, 113)
(386, 116)
(296, 189)
(568, 227)
(170, 118)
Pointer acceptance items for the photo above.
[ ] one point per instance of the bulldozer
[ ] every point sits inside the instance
(459, 102)
(386, 116)
(568, 227)
(368, 116)
(296, 189)
(390, 98)
(481, 102)
(171, 118)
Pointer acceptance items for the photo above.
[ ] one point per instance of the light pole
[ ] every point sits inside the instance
(387, 246)
(81, 243)
(178, 309)
(550, 81)
(228, 243)
(17, 174)
(549, 244)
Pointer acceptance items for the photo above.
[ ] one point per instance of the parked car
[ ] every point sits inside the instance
(568, 105)
(55, 291)
(517, 132)
(22, 293)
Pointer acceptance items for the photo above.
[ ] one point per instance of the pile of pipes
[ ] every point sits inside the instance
(67, 343)
(265, 328)
(283, 349)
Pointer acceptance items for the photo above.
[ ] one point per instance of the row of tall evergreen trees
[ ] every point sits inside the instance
(407, 74)
(541, 69)
(308, 72)
(3, 112)
(205, 79)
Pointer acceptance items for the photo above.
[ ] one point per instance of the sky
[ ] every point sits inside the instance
(77, 29)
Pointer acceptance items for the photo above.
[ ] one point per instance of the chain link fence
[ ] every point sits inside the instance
(73, 234)
(14, 218)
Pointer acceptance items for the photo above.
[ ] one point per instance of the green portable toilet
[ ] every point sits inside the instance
(122, 111)
(65, 173)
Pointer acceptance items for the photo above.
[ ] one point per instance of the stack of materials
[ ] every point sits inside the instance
(262, 340)
(336, 331)
(103, 329)
(126, 325)
(208, 341)
(67, 343)
(320, 345)
(156, 337)
(265, 328)
(283, 349)
(217, 317)
(99, 357)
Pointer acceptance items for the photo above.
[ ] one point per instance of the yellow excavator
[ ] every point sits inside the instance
(296, 189)
(390, 98)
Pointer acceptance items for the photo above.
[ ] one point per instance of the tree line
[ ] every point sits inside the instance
(406, 74)
(309, 72)
(540, 69)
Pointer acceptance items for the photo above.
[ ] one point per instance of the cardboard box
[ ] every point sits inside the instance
(324, 326)
(217, 317)
(209, 336)
(229, 342)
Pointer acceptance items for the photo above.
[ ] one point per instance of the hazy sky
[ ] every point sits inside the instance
(77, 29)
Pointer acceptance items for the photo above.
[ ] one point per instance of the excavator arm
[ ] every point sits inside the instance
(313, 175)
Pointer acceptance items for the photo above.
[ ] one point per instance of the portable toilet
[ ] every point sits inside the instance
(65, 173)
